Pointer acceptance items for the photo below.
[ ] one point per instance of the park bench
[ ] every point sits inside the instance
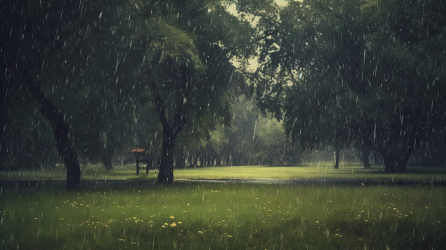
(141, 155)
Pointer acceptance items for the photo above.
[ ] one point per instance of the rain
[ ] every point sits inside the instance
(206, 124)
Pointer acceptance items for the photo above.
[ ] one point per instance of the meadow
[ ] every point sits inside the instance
(136, 213)
(185, 215)
(347, 171)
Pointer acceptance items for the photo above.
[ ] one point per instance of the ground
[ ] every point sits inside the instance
(137, 213)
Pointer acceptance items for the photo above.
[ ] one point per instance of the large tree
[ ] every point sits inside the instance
(388, 57)
(371, 74)
(30, 31)
(186, 66)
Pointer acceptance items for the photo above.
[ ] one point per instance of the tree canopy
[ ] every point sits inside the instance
(368, 73)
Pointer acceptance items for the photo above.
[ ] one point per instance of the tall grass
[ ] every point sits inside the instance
(223, 216)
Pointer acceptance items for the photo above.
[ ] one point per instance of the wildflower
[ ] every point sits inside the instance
(200, 232)
(229, 236)
(121, 239)
(179, 222)
(172, 217)
(173, 225)
(166, 224)
(163, 226)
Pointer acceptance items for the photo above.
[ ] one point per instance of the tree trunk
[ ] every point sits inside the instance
(60, 131)
(365, 157)
(336, 166)
(201, 157)
(170, 131)
(107, 160)
(180, 161)
(396, 148)
(166, 166)
(218, 159)
(377, 158)
(194, 158)
(396, 160)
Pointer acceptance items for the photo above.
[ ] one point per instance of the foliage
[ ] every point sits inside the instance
(358, 81)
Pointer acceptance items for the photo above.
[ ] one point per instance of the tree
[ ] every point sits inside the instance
(186, 66)
(380, 63)
(360, 55)
(30, 28)
(292, 82)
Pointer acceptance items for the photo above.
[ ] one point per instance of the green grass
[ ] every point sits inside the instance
(310, 171)
(313, 171)
(223, 216)
(89, 172)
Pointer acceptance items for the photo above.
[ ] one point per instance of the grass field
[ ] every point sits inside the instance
(188, 215)
(310, 171)
(224, 216)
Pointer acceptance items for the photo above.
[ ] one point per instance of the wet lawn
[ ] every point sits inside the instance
(299, 172)
(142, 215)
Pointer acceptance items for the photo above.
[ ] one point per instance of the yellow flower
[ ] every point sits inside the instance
(166, 224)
(229, 236)
(173, 225)
(200, 232)
(172, 217)
(179, 222)
(163, 226)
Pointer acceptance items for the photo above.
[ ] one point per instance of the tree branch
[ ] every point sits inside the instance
(159, 104)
